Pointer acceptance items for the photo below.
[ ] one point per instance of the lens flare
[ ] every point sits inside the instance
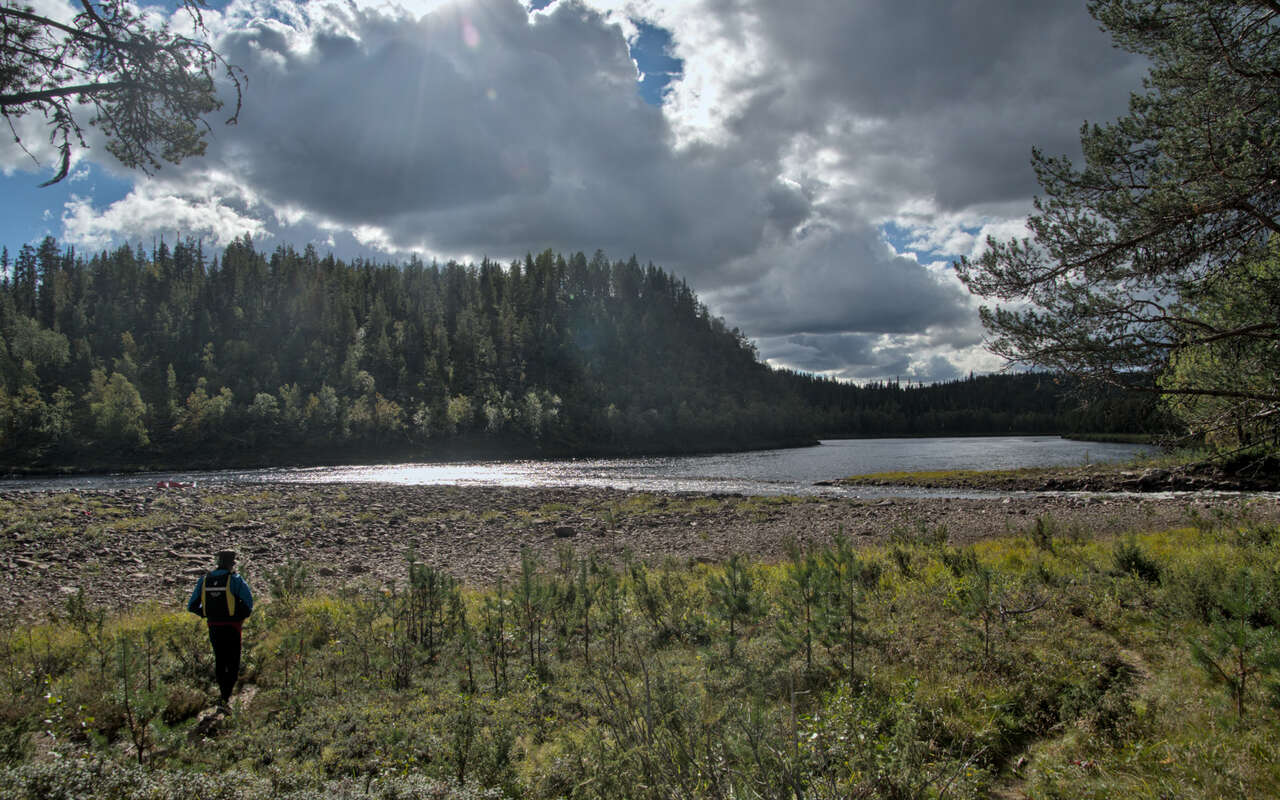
(470, 36)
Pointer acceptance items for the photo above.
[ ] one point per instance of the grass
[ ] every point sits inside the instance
(1025, 477)
(1116, 438)
(1047, 663)
(949, 477)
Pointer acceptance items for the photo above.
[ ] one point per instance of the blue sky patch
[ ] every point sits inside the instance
(901, 238)
(651, 50)
(28, 212)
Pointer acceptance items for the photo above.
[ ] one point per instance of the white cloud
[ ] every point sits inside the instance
(724, 56)
(35, 150)
(155, 209)
(1001, 231)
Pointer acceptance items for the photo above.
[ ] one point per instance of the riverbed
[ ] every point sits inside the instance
(127, 546)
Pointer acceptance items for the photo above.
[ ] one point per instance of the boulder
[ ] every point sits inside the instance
(1153, 479)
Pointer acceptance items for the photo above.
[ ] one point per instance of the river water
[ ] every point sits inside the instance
(761, 472)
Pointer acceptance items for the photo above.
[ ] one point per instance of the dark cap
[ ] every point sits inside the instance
(226, 558)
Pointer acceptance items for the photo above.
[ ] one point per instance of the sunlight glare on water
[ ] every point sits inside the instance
(410, 474)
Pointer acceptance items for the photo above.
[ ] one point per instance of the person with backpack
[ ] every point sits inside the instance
(224, 599)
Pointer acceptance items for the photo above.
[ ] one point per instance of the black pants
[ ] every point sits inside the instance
(226, 657)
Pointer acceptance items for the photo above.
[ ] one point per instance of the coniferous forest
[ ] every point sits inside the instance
(183, 357)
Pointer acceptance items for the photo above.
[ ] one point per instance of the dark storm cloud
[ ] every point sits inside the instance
(474, 130)
(831, 281)
(857, 357)
(390, 117)
(823, 353)
(964, 89)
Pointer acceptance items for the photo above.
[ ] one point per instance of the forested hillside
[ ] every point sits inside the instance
(176, 357)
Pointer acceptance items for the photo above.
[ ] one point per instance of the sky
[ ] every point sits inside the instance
(811, 167)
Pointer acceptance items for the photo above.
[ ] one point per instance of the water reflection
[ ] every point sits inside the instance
(764, 472)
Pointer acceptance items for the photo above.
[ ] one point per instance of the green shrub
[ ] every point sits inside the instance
(183, 703)
(1240, 645)
(1103, 700)
(289, 581)
(15, 727)
(1130, 559)
(1042, 532)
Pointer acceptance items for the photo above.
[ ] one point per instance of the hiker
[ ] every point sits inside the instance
(223, 598)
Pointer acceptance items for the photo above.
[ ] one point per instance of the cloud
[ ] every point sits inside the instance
(478, 128)
(940, 101)
(828, 280)
(793, 136)
(36, 151)
(151, 209)
(865, 357)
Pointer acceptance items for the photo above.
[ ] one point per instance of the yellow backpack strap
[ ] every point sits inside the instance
(204, 596)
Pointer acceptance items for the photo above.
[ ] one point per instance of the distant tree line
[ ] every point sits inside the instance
(1012, 403)
(174, 357)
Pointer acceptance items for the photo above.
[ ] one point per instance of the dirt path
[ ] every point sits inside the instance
(124, 547)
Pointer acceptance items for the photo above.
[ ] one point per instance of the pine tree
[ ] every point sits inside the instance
(1170, 199)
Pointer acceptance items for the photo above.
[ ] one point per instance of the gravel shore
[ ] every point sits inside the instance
(125, 547)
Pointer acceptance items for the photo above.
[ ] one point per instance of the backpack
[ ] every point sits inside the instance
(217, 599)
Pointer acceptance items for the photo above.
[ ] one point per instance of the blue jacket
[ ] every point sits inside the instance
(244, 596)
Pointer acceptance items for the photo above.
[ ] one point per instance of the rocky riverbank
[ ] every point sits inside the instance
(124, 547)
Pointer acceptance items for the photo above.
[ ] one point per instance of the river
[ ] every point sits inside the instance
(760, 472)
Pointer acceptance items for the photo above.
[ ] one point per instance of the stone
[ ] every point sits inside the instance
(565, 532)
(1153, 478)
(188, 556)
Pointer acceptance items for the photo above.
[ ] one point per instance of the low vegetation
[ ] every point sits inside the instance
(1044, 664)
(1183, 469)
